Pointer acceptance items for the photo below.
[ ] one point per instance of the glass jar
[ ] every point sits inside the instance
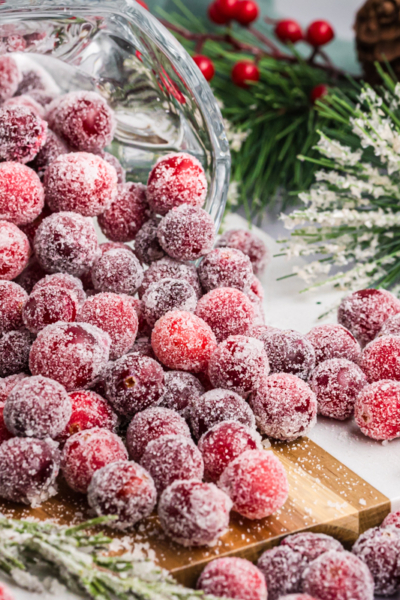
(115, 47)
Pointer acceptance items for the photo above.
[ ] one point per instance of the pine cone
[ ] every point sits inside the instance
(377, 30)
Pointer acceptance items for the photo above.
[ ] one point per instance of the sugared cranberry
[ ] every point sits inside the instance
(238, 364)
(150, 425)
(336, 384)
(117, 271)
(193, 513)
(15, 43)
(63, 281)
(256, 292)
(88, 451)
(319, 33)
(142, 346)
(12, 300)
(379, 359)
(180, 390)
(4, 433)
(144, 329)
(183, 341)
(290, 352)
(52, 149)
(285, 406)
(392, 520)
(249, 244)
(147, 246)
(288, 31)
(333, 341)
(114, 162)
(282, 568)
(167, 295)
(42, 97)
(379, 549)
(66, 242)
(205, 65)
(30, 80)
(226, 267)
(21, 193)
(9, 77)
(167, 268)
(48, 305)
(15, 347)
(5, 594)
(14, 251)
(377, 410)
(22, 134)
(122, 489)
(257, 484)
(172, 458)
(216, 406)
(127, 213)
(233, 577)
(28, 102)
(89, 410)
(8, 383)
(247, 12)
(311, 545)
(364, 312)
(134, 383)
(29, 277)
(244, 72)
(391, 326)
(74, 354)
(28, 470)
(227, 311)
(31, 228)
(84, 120)
(338, 576)
(186, 233)
(174, 180)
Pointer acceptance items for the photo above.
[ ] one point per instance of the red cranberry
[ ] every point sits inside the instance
(282, 568)
(12, 300)
(14, 251)
(181, 389)
(319, 33)
(333, 341)
(21, 193)
(256, 293)
(377, 410)
(9, 77)
(193, 513)
(26, 102)
(117, 271)
(122, 489)
(318, 92)
(142, 346)
(285, 407)
(144, 328)
(5, 594)
(15, 43)
(391, 326)
(245, 71)
(311, 545)
(52, 149)
(379, 549)
(127, 213)
(186, 233)
(205, 65)
(247, 12)
(4, 433)
(48, 305)
(166, 295)
(226, 267)
(65, 282)
(215, 16)
(288, 31)
(74, 354)
(147, 246)
(114, 162)
(22, 134)
(392, 520)
(233, 577)
(249, 244)
(7, 385)
(31, 228)
(14, 352)
(379, 359)
(167, 268)
(290, 352)
(29, 277)
(174, 180)
(28, 470)
(89, 410)
(227, 311)
(257, 484)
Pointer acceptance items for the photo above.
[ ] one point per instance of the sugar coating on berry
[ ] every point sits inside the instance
(379, 549)
(262, 332)
(121, 221)
(221, 444)
(84, 120)
(31, 228)
(256, 292)
(338, 576)
(37, 407)
(4, 433)
(28, 102)
(249, 244)
(391, 326)
(364, 312)
(377, 410)
(5, 594)
(113, 160)
(333, 341)
(14, 251)
(9, 77)
(52, 149)
(22, 134)
(89, 410)
(29, 277)
(186, 233)
(183, 341)
(15, 347)
(134, 383)
(167, 268)
(172, 458)
(48, 305)
(142, 346)
(216, 406)
(379, 359)
(21, 193)
(74, 354)
(42, 97)
(290, 352)
(63, 281)
(180, 390)
(66, 242)
(150, 425)
(297, 597)
(226, 267)
(80, 182)
(28, 470)
(392, 520)
(233, 577)
(114, 314)
(122, 489)
(144, 329)
(256, 482)
(166, 295)
(282, 568)
(12, 300)
(311, 545)
(88, 451)
(238, 364)
(176, 179)
(285, 406)
(227, 311)
(117, 271)
(147, 246)
(193, 513)
(8, 383)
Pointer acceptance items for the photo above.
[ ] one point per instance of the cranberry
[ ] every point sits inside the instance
(27, 102)
(4, 433)
(74, 354)
(257, 484)
(167, 268)
(297, 597)
(88, 451)
(227, 8)
(181, 389)
(379, 549)
(311, 545)
(117, 271)
(205, 65)
(216, 406)
(282, 568)
(336, 384)
(193, 513)
(391, 326)
(7, 385)
(89, 410)
(65, 282)
(12, 300)
(5, 594)
(9, 77)
(227, 311)
(392, 520)
(285, 407)
(318, 92)
(31, 228)
(186, 233)
(14, 352)
(15, 43)
(48, 305)
(21, 193)
(215, 16)
(249, 244)
(14, 251)
(166, 295)
(333, 341)
(142, 346)
(122, 489)
(151, 424)
(28, 470)
(290, 352)
(174, 180)
(245, 71)
(22, 134)
(134, 383)
(183, 341)
(377, 410)
(247, 12)
(233, 577)
(262, 332)
(52, 149)
(42, 97)
(147, 246)
(226, 267)
(114, 162)
(144, 329)
(256, 293)
(127, 213)
(29, 277)
(319, 33)
(379, 359)
(288, 31)
(30, 80)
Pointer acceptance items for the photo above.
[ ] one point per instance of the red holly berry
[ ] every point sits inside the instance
(215, 16)
(320, 33)
(142, 4)
(205, 65)
(288, 30)
(318, 92)
(227, 8)
(245, 71)
(247, 12)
